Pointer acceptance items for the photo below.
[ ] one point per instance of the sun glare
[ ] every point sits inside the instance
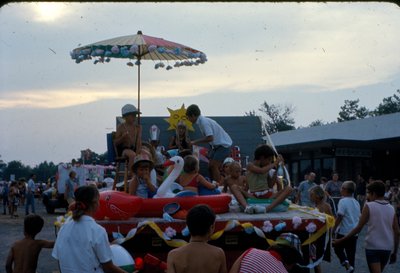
(48, 12)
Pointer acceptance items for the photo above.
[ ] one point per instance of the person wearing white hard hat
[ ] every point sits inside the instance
(129, 134)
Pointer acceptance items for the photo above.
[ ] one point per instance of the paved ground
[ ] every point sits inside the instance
(12, 230)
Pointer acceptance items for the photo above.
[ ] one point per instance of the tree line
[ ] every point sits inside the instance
(278, 117)
(45, 170)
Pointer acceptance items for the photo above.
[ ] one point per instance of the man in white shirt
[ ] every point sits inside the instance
(214, 135)
(30, 194)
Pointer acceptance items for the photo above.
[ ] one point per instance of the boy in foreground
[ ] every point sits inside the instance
(24, 254)
(198, 256)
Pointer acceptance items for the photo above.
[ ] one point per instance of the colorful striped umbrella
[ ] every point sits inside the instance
(140, 47)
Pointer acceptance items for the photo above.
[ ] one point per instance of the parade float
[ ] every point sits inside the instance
(155, 226)
(149, 228)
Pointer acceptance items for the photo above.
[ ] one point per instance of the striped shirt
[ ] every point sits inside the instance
(260, 261)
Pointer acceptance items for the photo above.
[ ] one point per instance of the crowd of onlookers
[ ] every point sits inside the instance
(15, 194)
(372, 203)
(332, 190)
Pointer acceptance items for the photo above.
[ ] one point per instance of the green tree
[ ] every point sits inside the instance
(277, 117)
(93, 158)
(318, 122)
(388, 105)
(18, 169)
(45, 170)
(251, 113)
(351, 111)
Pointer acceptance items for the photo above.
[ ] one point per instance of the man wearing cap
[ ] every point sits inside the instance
(129, 134)
(281, 257)
(214, 135)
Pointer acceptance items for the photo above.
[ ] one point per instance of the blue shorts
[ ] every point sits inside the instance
(377, 256)
(219, 153)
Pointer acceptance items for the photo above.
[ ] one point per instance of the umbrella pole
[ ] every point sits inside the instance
(139, 92)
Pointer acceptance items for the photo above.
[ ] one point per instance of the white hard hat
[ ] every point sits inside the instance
(129, 109)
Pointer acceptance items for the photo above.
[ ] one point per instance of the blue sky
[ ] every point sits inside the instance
(310, 55)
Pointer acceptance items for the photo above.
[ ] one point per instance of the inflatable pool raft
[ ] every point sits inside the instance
(116, 205)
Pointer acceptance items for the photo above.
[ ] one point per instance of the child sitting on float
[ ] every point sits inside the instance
(224, 172)
(235, 177)
(141, 184)
(190, 179)
(157, 172)
(261, 183)
(180, 140)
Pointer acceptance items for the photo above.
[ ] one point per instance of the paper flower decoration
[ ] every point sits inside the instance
(170, 232)
(151, 48)
(249, 230)
(99, 51)
(267, 227)
(115, 49)
(178, 51)
(61, 220)
(311, 227)
(161, 50)
(185, 232)
(134, 49)
(296, 221)
(280, 226)
(167, 217)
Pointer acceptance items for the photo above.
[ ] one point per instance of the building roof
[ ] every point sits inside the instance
(377, 128)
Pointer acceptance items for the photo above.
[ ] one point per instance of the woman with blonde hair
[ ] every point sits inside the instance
(181, 139)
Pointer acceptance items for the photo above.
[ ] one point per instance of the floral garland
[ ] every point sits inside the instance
(169, 233)
(105, 53)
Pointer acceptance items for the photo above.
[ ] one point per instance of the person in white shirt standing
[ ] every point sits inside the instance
(215, 136)
(30, 194)
(348, 215)
(382, 238)
(82, 244)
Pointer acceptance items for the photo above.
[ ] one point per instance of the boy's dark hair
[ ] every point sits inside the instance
(377, 187)
(84, 197)
(324, 179)
(33, 224)
(263, 150)
(289, 254)
(190, 163)
(193, 110)
(199, 220)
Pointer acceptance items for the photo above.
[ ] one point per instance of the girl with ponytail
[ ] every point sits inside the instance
(82, 244)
